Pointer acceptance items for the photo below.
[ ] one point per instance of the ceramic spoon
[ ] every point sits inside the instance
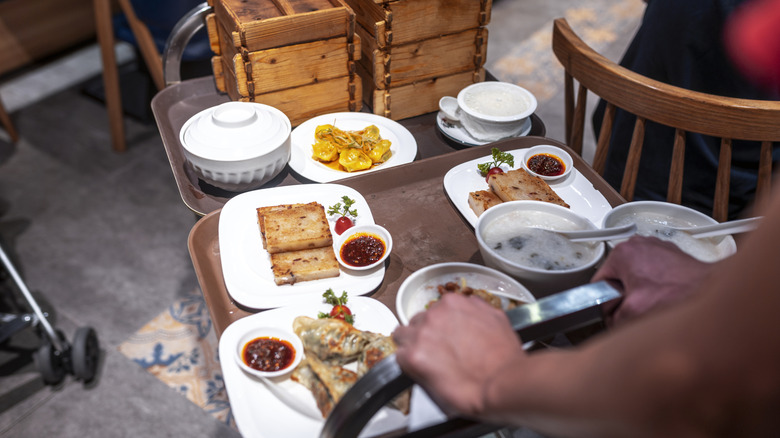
(449, 106)
(722, 229)
(600, 234)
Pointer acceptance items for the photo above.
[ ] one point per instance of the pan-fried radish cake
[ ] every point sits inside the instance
(290, 267)
(481, 200)
(518, 185)
(296, 227)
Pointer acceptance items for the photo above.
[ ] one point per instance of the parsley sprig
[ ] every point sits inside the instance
(343, 210)
(498, 159)
(339, 304)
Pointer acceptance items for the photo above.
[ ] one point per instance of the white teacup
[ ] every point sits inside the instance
(490, 110)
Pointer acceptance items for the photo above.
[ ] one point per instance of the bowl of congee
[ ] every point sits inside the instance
(663, 219)
(519, 239)
(490, 110)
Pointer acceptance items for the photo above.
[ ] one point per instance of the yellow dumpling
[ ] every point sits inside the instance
(325, 151)
(322, 131)
(353, 159)
(370, 132)
(352, 150)
(380, 152)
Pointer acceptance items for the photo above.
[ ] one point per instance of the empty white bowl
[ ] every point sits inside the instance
(653, 219)
(277, 333)
(544, 263)
(419, 289)
(365, 237)
(550, 154)
(237, 146)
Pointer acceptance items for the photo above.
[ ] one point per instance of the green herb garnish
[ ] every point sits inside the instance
(343, 210)
(498, 159)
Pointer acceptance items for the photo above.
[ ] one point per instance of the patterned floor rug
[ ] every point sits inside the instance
(180, 348)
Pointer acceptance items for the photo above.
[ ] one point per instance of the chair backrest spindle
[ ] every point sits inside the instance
(676, 171)
(688, 112)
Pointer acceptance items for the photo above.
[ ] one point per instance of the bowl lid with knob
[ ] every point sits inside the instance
(235, 131)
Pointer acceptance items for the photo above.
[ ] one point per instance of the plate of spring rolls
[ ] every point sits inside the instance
(327, 370)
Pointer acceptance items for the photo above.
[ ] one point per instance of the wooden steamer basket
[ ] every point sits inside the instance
(285, 53)
(416, 51)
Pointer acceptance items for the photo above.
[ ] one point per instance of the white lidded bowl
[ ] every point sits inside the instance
(420, 288)
(653, 218)
(253, 333)
(373, 230)
(511, 221)
(237, 146)
(554, 151)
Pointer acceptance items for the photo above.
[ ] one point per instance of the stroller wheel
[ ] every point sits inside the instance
(85, 353)
(49, 363)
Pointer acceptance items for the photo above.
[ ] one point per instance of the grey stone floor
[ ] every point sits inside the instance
(101, 239)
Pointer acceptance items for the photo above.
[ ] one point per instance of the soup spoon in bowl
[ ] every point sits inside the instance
(723, 228)
(599, 235)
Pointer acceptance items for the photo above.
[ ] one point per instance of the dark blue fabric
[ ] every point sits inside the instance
(680, 42)
(161, 17)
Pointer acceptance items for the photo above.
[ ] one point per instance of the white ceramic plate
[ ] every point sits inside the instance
(257, 411)
(247, 265)
(403, 145)
(575, 189)
(457, 133)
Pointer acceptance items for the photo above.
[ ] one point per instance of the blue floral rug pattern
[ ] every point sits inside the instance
(180, 348)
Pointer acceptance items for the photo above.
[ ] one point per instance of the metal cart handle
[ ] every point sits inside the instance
(178, 39)
(558, 313)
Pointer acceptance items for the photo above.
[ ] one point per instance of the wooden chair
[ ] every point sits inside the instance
(5, 120)
(686, 111)
(149, 52)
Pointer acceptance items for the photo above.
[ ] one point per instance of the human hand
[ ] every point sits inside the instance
(652, 273)
(454, 348)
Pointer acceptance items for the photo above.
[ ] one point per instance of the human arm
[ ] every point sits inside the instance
(676, 372)
(651, 273)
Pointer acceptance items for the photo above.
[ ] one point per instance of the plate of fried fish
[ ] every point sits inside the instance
(336, 355)
(472, 194)
(333, 146)
(277, 245)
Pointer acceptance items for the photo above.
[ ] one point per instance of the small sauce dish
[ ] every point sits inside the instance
(548, 162)
(269, 352)
(364, 247)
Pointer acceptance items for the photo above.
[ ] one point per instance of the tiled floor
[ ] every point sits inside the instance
(101, 237)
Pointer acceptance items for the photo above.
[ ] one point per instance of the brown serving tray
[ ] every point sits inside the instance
(174, 105)
(410, 201)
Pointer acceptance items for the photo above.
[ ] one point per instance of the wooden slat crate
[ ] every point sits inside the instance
(299, 103)
(423, 59)
(297, 55)
(403, 21)
(260, 25)
(416, 51)
(420, 97)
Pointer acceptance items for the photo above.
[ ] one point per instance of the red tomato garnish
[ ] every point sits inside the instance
(340, 312)
(343, 224)
(493, 171)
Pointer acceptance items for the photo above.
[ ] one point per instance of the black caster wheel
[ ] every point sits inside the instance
(50, 363)
(85, 353)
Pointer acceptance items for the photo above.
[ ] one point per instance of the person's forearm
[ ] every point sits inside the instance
(681, 372)
(623, 385)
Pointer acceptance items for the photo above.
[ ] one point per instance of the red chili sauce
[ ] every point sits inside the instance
(268, 354)
(362, 249)
(547, 165)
